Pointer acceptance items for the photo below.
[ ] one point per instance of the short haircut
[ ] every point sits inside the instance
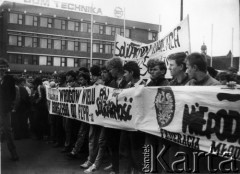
(37, 81)
(21, 79)
(156, 62)
(95, 70)
(199, 60)
(62, 76)
(132, 66)
(179, 59)
(115, 63)
(103, 68)
(86, 76)
(72, 73)
(84, 69)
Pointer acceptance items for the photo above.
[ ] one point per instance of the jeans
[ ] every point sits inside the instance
(82, 133)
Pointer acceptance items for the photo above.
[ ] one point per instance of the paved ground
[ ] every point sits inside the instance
(39, 157)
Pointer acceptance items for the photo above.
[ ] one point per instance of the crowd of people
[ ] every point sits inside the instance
(23, 106)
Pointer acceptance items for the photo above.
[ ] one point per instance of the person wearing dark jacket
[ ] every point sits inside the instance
(157, 70)
(40, 109)
(7, 99)
(20, 119)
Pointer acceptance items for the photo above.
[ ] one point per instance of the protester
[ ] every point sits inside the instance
(70, 126)
(157, 70)
(7, 99)
(197, 71)
(83, 70)
(20, 117)
(96, 75)
(83, 130)
(97, 140)
(41, 126)
(60, 134)
(115, 67)
(52, 117)
(177, 67)
(132, 141)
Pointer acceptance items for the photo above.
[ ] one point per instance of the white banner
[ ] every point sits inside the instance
(177, 40)
(207, 120)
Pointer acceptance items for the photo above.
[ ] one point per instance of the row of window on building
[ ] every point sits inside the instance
(71, 24)
(58, 43)
(53, 61)
(64, 24)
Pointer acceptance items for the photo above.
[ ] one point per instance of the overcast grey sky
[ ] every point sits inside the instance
(223, 14)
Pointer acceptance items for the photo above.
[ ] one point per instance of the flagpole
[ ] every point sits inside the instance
(232, 48)
(159, 27)
(181, 11)
(124, 24)
(91, 40)
(211, 45)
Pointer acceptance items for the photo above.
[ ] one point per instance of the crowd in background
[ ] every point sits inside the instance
(27, 107)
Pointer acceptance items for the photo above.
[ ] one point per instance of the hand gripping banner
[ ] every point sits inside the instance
(202, 118)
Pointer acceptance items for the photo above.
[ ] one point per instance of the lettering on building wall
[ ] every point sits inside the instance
(65, 6)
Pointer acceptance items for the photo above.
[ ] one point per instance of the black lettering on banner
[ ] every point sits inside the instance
(225, 124)
(110, 109)
(228, 97)
(186, 140)
(83, 112)
(60, 108)
(73, 110)
(221, 149)
(132, 50)
(88, 96)
(169, 42)
(70, 95)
